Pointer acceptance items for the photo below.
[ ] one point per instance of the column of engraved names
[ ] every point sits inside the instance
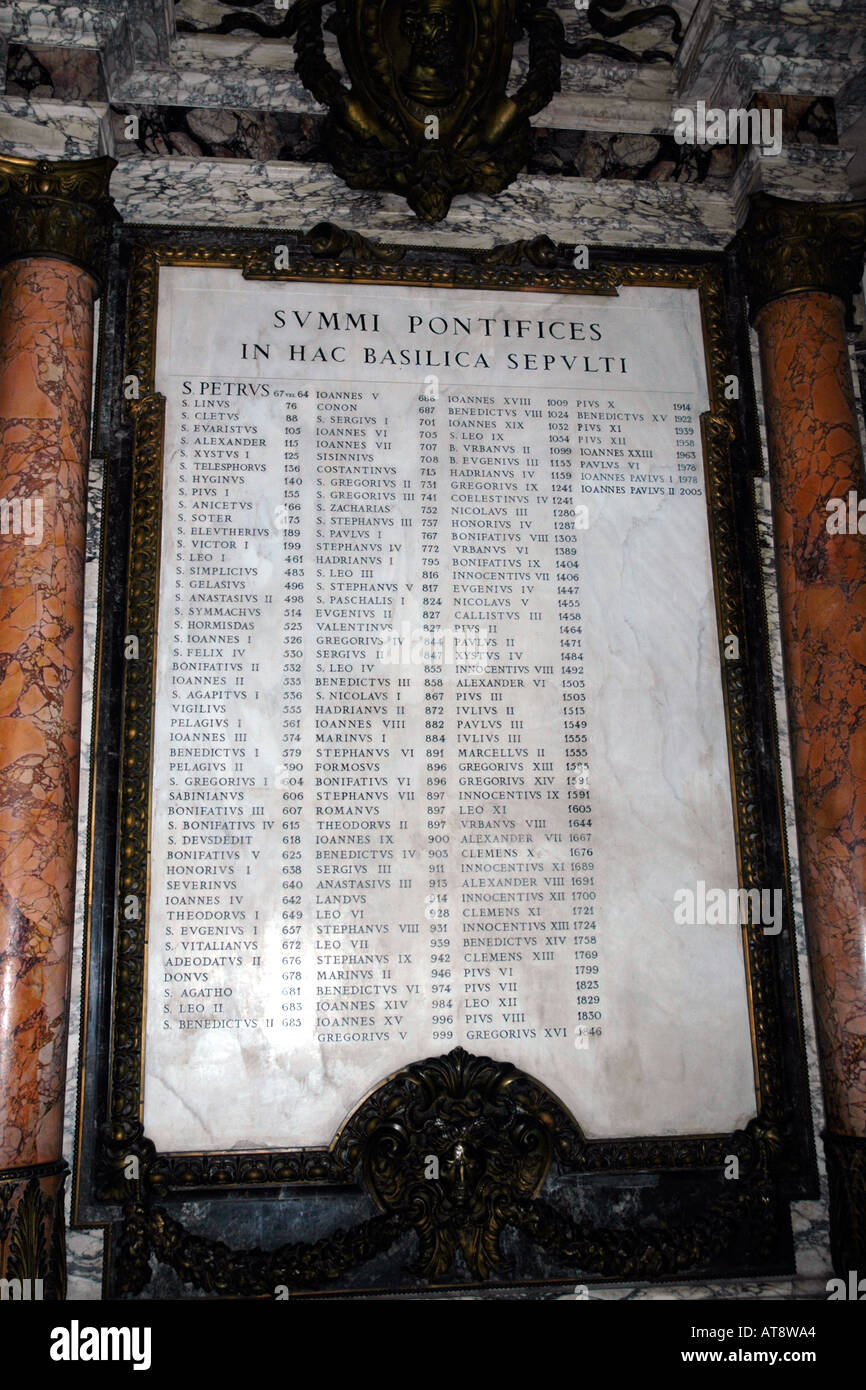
(439, 672)
(579, 924)
(611, 448)
(210, 946)
(640, 451)
(510, 758)
(293, 772)
(358, 719)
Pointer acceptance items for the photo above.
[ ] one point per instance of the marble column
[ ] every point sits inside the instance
(54, 227)
(804, 261)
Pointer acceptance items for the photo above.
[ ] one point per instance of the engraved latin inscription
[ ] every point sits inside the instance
(439, 720)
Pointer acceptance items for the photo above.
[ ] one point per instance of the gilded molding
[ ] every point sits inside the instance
(57, 208)
(326, 254)
(789, 247)
(463, 1221)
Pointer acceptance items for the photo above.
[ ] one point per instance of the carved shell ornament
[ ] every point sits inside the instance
(455, 1150)
(423, 106)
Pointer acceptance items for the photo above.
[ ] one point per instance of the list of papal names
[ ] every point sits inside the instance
(384, 766)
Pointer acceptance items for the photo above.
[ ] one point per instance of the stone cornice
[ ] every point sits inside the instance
(733, 48)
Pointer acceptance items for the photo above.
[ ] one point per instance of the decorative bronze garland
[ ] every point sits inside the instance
(426, 113)
(456, 1148)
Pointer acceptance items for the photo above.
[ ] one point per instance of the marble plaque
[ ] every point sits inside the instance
(440, 745)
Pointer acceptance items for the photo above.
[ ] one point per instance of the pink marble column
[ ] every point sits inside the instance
(46, 361)
(805, 260)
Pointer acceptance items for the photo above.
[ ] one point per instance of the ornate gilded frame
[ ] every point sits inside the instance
(516, 1132)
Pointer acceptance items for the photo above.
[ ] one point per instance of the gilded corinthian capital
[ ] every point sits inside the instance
(58, 208)
(789, 247)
